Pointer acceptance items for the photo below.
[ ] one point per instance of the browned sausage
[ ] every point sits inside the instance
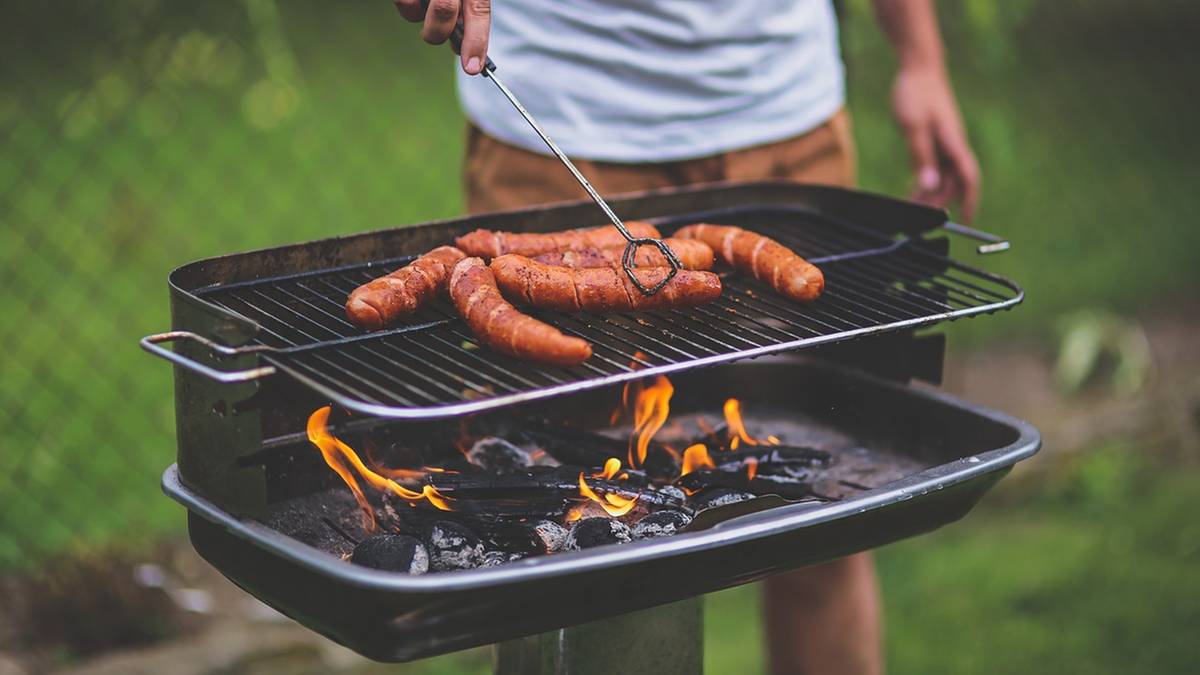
(503, 327)
(764, 258)
(693, 254)
(599, 289)
(378, 303)
(489, 243)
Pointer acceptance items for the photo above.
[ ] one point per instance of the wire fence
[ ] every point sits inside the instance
(142, 134)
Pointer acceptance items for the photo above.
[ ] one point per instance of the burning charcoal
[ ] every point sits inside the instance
(452, 547)
(392, 552)
(673, 493)
(585, 448)
(592, 532)
(718, 496)
(660, 524)
(784, 486)
(498, 456)
(552, 535)
(774, 455)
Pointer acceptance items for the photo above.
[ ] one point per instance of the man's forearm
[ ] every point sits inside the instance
(911, 26)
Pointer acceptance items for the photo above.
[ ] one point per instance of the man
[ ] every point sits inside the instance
(655, 93)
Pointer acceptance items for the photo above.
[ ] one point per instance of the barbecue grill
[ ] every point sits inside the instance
(260, 341)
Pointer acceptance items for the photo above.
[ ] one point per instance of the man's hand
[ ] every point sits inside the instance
(925, 107)
(945, 168)
(440, 18)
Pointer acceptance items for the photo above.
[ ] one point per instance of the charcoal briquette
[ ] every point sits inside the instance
(660, 524)
(392, 552)
(552, 535)
(591, 532)
(452, 547)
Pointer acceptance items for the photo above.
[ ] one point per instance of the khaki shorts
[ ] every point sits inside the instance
(499, 176)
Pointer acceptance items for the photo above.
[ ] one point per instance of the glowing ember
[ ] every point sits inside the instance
(694, 458)
(651, 408)
(337, 454)
(614, 505)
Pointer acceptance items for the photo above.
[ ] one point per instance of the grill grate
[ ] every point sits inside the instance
(432, 366)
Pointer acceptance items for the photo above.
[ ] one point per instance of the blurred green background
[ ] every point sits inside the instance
(140, 135)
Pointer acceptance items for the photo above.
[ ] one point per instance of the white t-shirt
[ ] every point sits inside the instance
(659, 80)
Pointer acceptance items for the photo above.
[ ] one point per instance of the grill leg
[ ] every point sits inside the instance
(666, 640)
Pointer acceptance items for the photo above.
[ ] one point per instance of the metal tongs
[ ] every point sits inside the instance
(633, 243)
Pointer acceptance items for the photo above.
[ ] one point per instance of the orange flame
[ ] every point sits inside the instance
(737, 429)
(611, 466)
(651, 408)
(614, 505)
(694, 458)
(337, 454)
(619, 411)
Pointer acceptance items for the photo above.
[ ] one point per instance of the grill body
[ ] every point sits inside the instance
(241, 446)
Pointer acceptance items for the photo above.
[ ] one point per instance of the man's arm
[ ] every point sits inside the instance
(924, 105)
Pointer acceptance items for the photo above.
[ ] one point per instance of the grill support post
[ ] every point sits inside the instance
(665, 640)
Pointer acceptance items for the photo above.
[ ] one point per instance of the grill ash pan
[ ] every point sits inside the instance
(963, 448)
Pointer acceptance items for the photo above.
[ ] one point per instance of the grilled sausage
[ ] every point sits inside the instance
(599, 289)
(387, 299)
(764, 258)
(489, 243)
(505, 329)
(694, 254)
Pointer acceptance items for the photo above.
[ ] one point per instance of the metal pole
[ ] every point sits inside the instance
(666, 640)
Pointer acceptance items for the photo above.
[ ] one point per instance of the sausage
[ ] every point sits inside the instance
(764, 258)
(503, 327)
(692, 253)
(387, 299)
(599, 289)
(489, 243)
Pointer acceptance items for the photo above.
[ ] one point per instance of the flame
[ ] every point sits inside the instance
(611, 466)
(651, 408)
(614, 505)
(751, 468)
(694, 458)
(619, 411)
(737, 429)
(319, 435)
(337, 454)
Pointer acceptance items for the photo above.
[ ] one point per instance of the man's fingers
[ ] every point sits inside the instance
(966, 170)
(440, 20)
(477, 25)
(924, 159)
(411, 10)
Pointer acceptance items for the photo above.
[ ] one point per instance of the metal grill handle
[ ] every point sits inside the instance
(151, 343)
(992, 243)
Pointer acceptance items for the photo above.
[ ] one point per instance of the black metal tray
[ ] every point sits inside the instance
(281, 310)
(395, 617)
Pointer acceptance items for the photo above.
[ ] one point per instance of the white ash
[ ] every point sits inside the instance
(494, 558)
(498, 455)
(660, 524)
(673, 492)
(719, 497)
(453, 547)
(552, 535)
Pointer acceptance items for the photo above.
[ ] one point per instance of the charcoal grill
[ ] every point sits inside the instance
(261, 342)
